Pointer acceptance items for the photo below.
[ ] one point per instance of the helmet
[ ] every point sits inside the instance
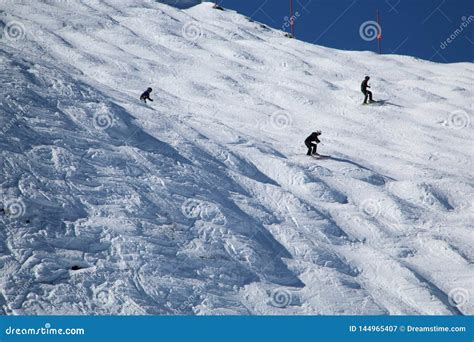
(367, 77)
(149, 89)
(318, 132)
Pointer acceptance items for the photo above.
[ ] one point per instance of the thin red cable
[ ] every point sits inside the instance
(379, 34)
(292, 21)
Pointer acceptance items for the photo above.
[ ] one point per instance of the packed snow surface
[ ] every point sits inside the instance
(203, 201)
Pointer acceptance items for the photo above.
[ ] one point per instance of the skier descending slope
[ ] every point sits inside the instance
(310, 145)
(367, 93)
(146, 95)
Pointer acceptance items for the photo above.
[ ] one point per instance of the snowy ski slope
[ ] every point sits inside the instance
(203, 201)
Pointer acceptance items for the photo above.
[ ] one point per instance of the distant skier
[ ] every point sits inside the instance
(367, 93)
(309, 142)
(146, 95)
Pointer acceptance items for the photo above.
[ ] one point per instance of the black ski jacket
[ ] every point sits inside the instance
(146, 95)
(312, 137)
(364, 86)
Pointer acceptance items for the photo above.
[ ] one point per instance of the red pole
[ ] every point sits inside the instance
(379, 34)
(292, 21)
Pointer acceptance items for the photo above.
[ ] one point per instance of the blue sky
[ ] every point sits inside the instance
(418, 28)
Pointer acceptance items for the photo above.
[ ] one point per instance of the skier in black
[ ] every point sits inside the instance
(367, 93)
(309, 142)
(146, 95)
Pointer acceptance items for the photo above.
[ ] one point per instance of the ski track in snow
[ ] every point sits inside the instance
(203, 202)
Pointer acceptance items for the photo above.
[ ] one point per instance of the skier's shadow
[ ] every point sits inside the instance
(348, 161)
(387, 102)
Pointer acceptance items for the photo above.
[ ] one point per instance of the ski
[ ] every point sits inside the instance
(320, 156)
